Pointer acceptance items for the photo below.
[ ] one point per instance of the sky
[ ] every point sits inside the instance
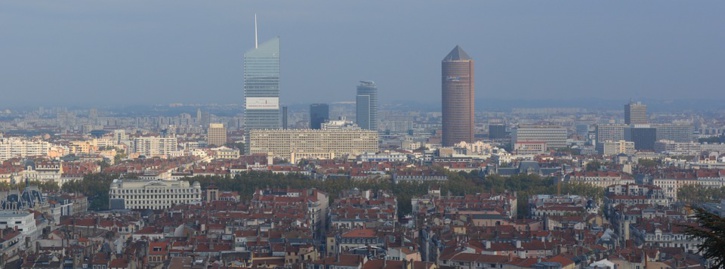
(113, 52)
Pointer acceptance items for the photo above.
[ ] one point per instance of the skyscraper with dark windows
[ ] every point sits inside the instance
(366, 105)
(319, 113)
(458, 97)
(261, 86)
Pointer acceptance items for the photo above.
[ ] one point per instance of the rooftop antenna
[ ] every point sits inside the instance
(256, 43)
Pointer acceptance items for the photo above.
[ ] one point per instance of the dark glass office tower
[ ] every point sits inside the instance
(319, 113)
(261, 86)
(366, 105)
(458, 96)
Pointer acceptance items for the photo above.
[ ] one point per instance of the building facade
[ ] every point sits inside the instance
(152, 194)
(319, 114)
(612, 132)
(676, 132)
(611, 148)
(458, 94)
(554, 136)
(14, 147)
(635, 113)
(217, 134)
(261, 86)
(643, 136)
(299, 144)
(153, 146)
(366, 105)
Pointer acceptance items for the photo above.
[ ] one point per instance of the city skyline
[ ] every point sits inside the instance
(589, 50)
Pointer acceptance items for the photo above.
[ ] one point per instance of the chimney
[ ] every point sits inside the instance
(518, 244)
(488, 244)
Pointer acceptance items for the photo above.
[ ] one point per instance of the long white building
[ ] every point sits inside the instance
(315, 144)
(152, 194)
(152, 146)
(554, 136)
(15, 147)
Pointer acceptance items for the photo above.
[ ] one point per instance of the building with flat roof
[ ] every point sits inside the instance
(366, 105)
(458, 93)
(675, 132)
(23, 221)
(610, 148)
(635, 113)
(612, 132)
(319, 114)
(299, 144)
(154, 146)
(643, 136)
(554, 136)
(217, 134)
(152, 194)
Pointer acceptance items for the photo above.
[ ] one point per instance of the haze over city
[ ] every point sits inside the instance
(139, 52)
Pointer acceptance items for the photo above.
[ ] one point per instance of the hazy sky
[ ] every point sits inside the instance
(151, 52)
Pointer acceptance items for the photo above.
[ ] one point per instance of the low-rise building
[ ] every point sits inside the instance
(152, 194)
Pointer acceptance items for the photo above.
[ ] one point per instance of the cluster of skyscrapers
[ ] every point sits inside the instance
(262, 102)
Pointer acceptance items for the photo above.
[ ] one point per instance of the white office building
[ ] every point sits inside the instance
(554, 136)
(314, 144)
(152, 194)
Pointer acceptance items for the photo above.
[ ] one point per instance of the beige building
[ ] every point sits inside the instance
(153, 146)
(152, 194)
(554, 136)
(299, 144)
(225, 153)
(618, 147)
(217, 134)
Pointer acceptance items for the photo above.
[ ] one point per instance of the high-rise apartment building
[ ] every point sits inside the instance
(554, 136)
(296, 144)
(635, 113)
(458, 97)
(154, 146)
(612, 132)
(261, 85)
(16, 147)
(319, 113)
(216, 134)
(675, 132)
(366, 105)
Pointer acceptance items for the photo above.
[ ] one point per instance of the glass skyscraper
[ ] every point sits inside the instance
(366, 105)
(261, 86)
(319, 113)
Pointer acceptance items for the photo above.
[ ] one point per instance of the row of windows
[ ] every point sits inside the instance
(158, 191)
(146, 202)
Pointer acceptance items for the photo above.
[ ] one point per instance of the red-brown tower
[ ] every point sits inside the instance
(458, 97)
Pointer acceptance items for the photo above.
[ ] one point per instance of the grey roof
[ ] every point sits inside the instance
(457, 54)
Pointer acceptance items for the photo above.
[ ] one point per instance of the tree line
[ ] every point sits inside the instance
(96, 186)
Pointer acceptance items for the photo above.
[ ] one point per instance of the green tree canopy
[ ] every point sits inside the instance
(711, 229)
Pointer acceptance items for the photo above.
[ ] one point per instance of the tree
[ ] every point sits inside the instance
(711, 229)
(647, 163)
(593, 166)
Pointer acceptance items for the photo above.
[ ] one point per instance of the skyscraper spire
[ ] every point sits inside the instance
(256, 43)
